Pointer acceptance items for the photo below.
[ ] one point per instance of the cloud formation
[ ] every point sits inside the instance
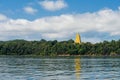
(2, 17)
(63, 26)
(30, 10)
(52, 5)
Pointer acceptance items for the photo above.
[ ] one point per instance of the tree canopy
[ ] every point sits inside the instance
(54, 48)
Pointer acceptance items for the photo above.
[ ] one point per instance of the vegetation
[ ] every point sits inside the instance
(54, 48)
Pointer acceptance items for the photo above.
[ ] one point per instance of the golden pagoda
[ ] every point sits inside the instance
(78, 39)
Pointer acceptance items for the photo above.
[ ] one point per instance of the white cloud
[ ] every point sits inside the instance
(30, 10)
(92, 39)
(63, 26)
(53, 5)
(119, 7)
(2, 17)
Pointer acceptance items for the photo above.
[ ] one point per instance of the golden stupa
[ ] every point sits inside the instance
(78, 39)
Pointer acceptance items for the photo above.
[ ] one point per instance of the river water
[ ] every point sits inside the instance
(59, 68)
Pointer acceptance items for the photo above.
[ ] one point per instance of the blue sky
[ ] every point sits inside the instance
(95, 20)
(14, 9)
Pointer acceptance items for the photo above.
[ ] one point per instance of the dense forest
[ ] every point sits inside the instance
(56, 48)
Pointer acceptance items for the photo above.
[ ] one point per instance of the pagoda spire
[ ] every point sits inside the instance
(78, 39)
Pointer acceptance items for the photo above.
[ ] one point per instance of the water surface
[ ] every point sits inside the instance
(59, 68)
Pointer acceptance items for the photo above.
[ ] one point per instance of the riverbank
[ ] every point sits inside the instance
(55, 48)
(74, 56)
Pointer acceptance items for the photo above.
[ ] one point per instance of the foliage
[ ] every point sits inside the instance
(53, 48)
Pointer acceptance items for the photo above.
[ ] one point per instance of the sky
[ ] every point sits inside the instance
(94, 20)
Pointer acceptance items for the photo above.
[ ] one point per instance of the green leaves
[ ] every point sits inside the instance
(53, 48)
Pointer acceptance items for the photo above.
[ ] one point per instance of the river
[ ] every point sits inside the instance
(59, 68)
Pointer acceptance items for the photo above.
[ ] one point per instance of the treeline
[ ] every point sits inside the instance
(54, 48)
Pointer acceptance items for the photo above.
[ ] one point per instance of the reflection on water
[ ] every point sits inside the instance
(59, 68)
(77, 68)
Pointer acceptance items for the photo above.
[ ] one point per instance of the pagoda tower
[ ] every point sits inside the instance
(78, 39)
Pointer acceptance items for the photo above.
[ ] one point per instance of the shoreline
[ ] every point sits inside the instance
(60, 56)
